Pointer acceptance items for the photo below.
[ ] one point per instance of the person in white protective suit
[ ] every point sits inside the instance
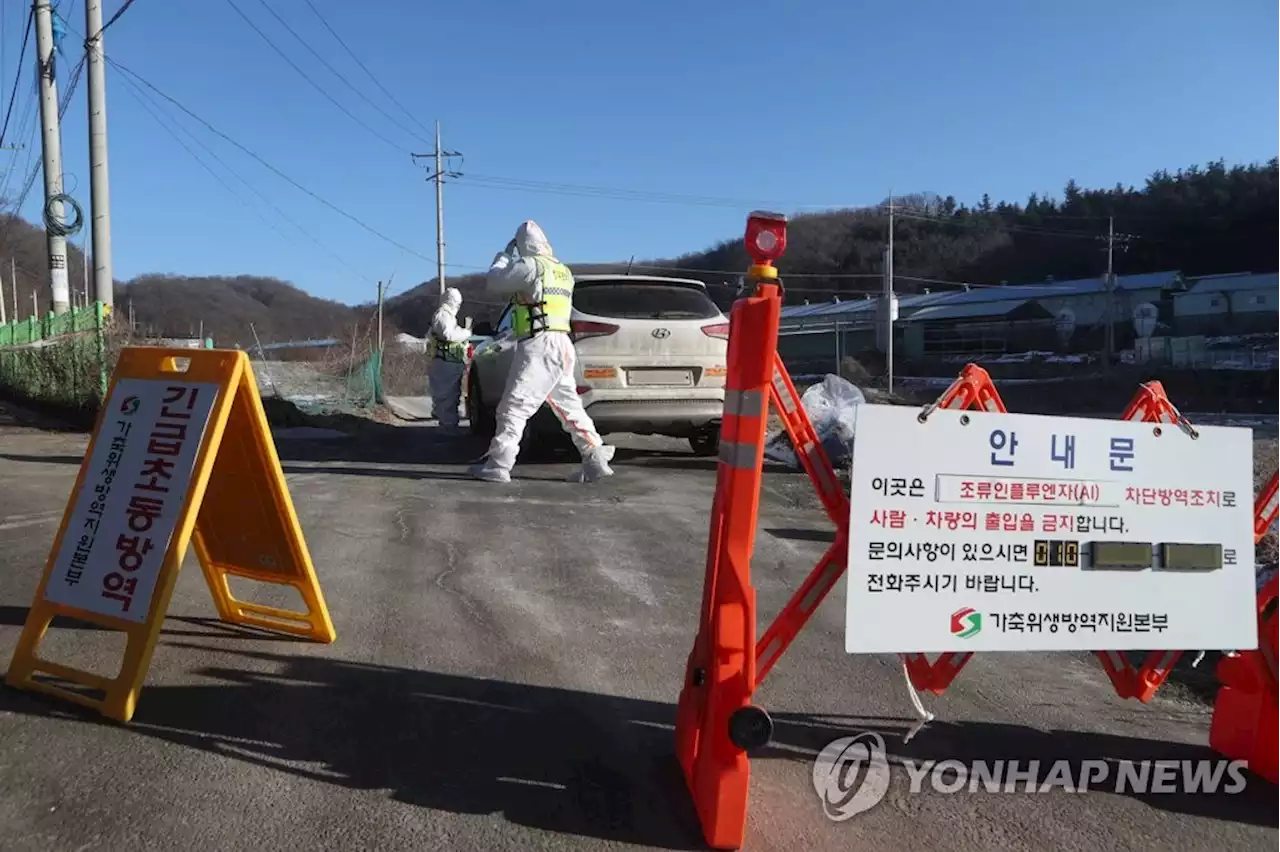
(541, 291)
(449, 360)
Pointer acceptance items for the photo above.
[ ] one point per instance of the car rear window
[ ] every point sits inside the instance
(644, 301)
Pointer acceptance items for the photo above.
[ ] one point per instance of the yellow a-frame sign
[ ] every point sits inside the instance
(181, 449)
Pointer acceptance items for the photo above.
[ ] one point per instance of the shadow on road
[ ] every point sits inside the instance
(797, 534)
(211, 628)
(990, 742)
(19, 457)
(559, 760)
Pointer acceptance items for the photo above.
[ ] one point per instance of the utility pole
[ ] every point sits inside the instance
(3, 319)
(52, 149)
(441, 172)
(1109, 332)
(99, 193)
(13, 282)
(888, 303)
(1109, 338)
(380, 317)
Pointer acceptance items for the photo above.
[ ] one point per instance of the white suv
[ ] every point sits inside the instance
(651, 361)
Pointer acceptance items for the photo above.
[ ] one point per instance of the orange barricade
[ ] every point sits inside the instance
(974, 389)
(1245, 712)
(1245, 720)
(716, 723)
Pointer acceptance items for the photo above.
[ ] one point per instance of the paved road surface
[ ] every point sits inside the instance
(504, 678)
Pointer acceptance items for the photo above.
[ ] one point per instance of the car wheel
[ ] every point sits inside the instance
(483, 420)
(705, 443)
(544, 440)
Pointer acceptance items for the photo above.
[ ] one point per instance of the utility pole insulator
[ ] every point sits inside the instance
(439, 155)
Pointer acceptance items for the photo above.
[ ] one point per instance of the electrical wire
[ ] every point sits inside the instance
(62, 110)
(17, 77)
(154, 109)
(586, 190)
(364, 68)
(27, 127)
(321, 89)
(339, 74)
(123, 8)
(58, 226)
(1000, 225)
(266, 164)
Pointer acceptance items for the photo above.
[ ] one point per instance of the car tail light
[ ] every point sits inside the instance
(583, 389)
(583, 329)
(720, 330)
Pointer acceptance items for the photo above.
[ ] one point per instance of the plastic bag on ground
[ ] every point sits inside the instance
(831, 405)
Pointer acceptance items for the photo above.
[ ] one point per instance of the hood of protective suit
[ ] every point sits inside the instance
(531, 241)
(452, 300)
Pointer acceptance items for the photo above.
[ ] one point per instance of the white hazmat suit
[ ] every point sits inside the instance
(542, 370)
(448, 362)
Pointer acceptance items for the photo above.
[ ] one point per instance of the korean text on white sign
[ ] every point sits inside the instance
(125, 514)
(978, 531)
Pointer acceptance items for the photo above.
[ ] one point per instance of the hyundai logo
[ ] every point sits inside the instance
(661, 333)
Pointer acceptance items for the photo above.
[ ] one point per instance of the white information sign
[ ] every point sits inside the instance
(127, 509)
(977, 531)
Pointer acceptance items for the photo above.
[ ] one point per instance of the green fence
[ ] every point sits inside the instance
(57, 359)
(345, 383)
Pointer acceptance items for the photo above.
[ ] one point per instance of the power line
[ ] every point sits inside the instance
(123, 8)
(499, 182)
(141, 97)
(27, 127)
(18, 76)
(307, 77)
(62, 111)
(338, 73)
(364, 68)
(267, 165)
(1000, 224)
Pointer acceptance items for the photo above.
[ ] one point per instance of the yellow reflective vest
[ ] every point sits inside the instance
(554, 308)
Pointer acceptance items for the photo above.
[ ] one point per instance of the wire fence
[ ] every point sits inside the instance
(61, 360)
(320, 377)
(65, 362)
(354, 375)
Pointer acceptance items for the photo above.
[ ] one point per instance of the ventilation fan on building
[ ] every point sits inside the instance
(1064, 323)
(1145, 317)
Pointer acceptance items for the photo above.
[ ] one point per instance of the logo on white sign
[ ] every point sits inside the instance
(851, 775)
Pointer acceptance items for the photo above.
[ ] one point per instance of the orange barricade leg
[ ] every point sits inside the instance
(1265, 508)
(813, 458)
(973, 388)
(715, 721)
(1151, 405)
(1245, 721)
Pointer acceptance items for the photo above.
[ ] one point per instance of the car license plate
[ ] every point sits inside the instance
(669, 378)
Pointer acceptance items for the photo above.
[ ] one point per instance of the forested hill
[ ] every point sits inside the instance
(1200, 220)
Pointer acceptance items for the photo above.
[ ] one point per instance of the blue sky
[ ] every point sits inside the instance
(794, 105)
